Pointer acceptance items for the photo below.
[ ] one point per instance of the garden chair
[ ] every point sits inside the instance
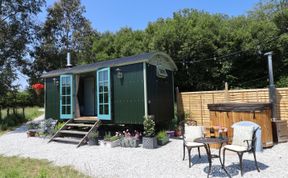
(244, 139)
(190, 132)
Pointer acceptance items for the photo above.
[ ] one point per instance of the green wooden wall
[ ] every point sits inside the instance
(52, 99)
(160, 96)
(128, 95)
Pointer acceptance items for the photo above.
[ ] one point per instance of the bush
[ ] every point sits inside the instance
(149, 127)
(110, 138)
(93, 135)
(3, 126)
(107, 136)
(57, 127)
(162, 135)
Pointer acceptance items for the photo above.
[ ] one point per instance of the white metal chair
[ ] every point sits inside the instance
(190, 132)
(244, 139)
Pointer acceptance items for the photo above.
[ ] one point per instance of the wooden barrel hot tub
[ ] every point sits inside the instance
(226, 114)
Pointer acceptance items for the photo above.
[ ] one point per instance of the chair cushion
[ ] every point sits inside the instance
(193, 144)
(242, 133)
(236, 147)
(193, 132)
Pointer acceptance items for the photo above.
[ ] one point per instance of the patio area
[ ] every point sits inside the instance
(164, 161)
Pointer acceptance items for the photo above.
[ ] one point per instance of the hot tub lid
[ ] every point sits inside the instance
(239, 107)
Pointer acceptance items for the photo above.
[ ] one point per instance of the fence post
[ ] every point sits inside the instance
(226, 92)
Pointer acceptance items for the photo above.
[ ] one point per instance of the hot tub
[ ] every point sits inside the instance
(226, 114)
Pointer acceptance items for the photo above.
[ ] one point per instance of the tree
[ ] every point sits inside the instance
(209, 49)
(125, 42)
(65, 30)
(16, 33)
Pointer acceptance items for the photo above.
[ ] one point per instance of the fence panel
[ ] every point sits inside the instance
(195, 103)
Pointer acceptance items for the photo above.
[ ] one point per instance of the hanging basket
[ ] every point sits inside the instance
(38, 87)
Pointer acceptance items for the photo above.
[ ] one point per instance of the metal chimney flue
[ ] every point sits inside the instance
(68, 60)
(272, 89)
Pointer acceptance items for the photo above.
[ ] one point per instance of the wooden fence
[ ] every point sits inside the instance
(195, 103)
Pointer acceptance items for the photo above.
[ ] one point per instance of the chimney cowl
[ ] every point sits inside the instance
(68, 60)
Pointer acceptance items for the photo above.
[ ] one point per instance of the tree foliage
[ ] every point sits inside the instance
(65, 29)
(16, 34)
(209, 49)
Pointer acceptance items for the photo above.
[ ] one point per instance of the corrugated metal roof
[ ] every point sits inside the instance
(109, 63)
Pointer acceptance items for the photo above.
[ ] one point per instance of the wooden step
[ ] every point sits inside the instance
(92, 118)
(70, 140)
(92, 123)
(73, 132)
(80, 125)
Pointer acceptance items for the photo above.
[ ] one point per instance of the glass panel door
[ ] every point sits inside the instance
(66, 109)
(103, 94)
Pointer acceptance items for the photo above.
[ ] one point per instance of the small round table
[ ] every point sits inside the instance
(207, 141)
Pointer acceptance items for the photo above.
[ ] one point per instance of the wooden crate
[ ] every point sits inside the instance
(280, 131)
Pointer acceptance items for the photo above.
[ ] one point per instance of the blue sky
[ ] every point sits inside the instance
(111, 15)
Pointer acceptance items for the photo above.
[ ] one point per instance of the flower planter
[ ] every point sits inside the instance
(163, 141)
(129, 142)
(178, 133)
(109, 144)
(102, 143)
(112, 144)
(171, 134)
(149, 142)
(93, 142)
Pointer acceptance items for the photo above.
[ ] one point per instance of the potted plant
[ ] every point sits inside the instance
(93, 137)
(162, 138)
(111, 141)
(130, 140)
(172, 127)
(149, 139)
(179, 130)
(32, 129)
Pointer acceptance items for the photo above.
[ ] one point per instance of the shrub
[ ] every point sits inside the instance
(107, 136)
(149, 127)
(110, 138)
(93, 135)
(162, 135)
(57, 127)
(115, 137)
(32, 125)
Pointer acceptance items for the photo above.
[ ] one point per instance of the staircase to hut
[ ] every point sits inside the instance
(76, 131)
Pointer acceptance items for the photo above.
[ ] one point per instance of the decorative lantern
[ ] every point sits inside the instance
(119, 73)
(38, 88)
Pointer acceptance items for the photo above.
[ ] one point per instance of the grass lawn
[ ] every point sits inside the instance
(8, 123)
(16, 167)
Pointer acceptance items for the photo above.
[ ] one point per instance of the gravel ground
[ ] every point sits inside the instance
(165, 161)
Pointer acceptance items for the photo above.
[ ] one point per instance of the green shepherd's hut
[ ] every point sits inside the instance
(118, 91)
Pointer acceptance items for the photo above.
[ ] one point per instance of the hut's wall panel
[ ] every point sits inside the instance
(128, 94)
(160, 96)
(52, 99)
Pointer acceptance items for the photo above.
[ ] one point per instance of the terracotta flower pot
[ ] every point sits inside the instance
(31, 133)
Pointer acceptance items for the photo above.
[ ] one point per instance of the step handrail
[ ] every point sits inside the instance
(91, 129)
(58, 131)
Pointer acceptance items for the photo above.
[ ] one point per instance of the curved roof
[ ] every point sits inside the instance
(154, 58)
